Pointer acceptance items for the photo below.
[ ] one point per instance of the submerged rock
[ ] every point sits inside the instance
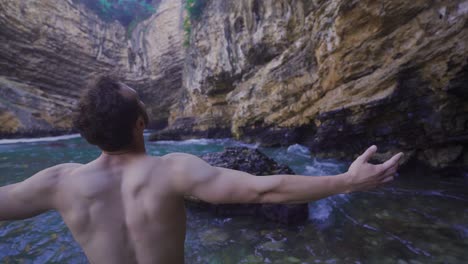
(253, 259)
(272, 246)
(246, 159)
(213, 236)
(256, 163)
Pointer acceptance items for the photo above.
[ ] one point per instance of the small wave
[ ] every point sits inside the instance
(299, 150)
(439, 193)
(314, 170)
(320, 210)
(248, 145)
(201, 141)
(321, 167)
(206, 141)
(195, 141)
(41, 139)
(409, 245)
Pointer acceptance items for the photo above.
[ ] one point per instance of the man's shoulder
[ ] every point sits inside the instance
(180, 157)
(177, 156)
(49, 178)
(60, 169)
(64, 168)
(180, 160)
(188, 165)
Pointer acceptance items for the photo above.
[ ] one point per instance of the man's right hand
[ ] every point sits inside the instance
(363, 176)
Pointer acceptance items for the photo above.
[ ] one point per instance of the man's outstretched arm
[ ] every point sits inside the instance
(32, 196)
(195, 177)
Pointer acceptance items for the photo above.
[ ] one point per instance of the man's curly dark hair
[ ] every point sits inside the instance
(105, 117)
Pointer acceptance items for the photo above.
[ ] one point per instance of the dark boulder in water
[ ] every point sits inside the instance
(254, 162)
(246, 159)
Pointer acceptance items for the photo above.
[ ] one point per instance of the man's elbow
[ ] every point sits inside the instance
(271, 198)
(272, 193)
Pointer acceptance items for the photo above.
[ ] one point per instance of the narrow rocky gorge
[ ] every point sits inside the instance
(50, 49)
(336, 76)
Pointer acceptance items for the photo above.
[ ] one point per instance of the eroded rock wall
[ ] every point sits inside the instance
(335, 75)
(49, 49)
(157, 56)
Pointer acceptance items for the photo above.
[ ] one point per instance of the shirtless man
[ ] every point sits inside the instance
(128, 207)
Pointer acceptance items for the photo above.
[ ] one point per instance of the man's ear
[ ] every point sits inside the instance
(140, 124)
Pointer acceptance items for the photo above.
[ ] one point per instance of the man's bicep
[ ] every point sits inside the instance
(16, 202)
(233, 186)
(190, 172)
(30, 197)
(214, 184)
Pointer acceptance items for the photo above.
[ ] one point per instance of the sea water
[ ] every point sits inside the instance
(415, 219)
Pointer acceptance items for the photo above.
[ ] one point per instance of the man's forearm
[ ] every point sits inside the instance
(297, 188)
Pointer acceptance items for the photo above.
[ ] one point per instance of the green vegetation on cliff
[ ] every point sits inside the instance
(194, 10)
(127, 12)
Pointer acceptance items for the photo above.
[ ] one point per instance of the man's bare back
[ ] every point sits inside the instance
(122, 210)
(128, 207)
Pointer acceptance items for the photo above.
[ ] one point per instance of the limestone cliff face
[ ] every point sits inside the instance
(157, 55)
(49, 49)
(335, 75)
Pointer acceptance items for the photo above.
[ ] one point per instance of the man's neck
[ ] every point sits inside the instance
(135, 150)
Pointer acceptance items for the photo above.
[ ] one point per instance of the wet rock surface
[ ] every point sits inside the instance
(256, 163)
(183, 129)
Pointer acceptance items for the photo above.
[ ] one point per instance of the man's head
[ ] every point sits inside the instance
(110, 115)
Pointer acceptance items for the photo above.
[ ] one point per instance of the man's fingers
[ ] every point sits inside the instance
(392, 161)
(368, 153)
(392, 169)
(390, 172)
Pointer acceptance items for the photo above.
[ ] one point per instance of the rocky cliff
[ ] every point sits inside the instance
(157, 56)
(49, 49)
(334, 75)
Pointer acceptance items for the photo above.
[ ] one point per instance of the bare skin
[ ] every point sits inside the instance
(128, 207)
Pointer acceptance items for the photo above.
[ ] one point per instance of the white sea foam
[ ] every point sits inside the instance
(299, 150)
(206, 141)
(320, 210)
(41, 139)
(321, 167)
(195, 141)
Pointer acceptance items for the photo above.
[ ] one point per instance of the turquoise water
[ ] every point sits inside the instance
(420, 219)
